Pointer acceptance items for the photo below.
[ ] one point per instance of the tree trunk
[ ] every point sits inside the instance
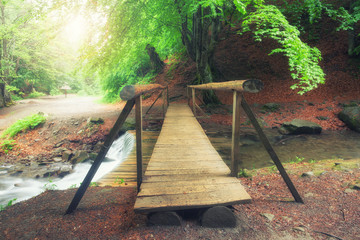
(4, 96)
(352, 33)
(156, 63)
(200, 44)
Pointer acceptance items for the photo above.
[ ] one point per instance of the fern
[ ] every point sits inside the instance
(24, 124)
(268, 21)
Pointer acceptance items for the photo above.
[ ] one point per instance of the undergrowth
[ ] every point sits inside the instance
(2, 207)
(22, 125)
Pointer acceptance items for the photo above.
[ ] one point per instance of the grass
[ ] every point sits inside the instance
(2, 207)
(7, 145)
(22, 125)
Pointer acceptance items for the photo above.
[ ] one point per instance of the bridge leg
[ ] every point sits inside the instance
(100, 157)
(138, 127)
(265, 141)
(235, 150)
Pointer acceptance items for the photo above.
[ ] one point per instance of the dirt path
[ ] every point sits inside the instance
(57, 107)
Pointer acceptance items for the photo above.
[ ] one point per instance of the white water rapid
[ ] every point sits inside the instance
(22, 189)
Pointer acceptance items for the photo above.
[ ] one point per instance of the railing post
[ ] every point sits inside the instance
(164, 99)
(138, 127)
(167, 96)
(193, 100)
(235, 148)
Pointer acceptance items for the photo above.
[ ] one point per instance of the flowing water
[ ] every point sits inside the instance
(22, 189)
(328, 145)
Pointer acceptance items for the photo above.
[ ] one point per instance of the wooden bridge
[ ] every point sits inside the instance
(185, 171)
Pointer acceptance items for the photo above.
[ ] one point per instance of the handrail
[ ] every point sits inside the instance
(248, 85)
(132, 91)
(238, 87)
(133, 95)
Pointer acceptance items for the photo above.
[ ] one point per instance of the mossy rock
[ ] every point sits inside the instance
(299, 126)
(351, 117)
(271, 107)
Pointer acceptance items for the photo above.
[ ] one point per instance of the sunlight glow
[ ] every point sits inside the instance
(76, 30)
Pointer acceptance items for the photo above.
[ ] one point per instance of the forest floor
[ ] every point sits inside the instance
(331, 209)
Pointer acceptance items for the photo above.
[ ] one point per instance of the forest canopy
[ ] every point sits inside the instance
(88, 44)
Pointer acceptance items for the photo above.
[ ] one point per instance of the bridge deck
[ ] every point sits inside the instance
(185, 171)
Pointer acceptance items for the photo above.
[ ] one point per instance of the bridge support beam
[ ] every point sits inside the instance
(139, 128)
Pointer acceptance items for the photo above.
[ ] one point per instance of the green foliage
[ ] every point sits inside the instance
(73, 186)
(55, 92)
(24, 124)
(35, 94)
(11, 202)
(7, 145)
(297, 159)
(119, 180)
(94, 184)
(244, 173)
(50, 185)
(118, 57)
(268, 21)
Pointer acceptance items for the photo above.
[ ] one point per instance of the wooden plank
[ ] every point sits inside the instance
(184, 161)
(202, 171)
(148, 181)
(195, 200)
(127, 170)
(191, 188)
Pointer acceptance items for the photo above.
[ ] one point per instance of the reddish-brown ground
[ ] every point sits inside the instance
(330, 209)
(107, 213)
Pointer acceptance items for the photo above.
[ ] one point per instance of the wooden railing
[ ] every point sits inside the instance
(133, 95)
(238, 87)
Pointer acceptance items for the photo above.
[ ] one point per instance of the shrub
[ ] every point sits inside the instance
(24, 124)
(36, 94)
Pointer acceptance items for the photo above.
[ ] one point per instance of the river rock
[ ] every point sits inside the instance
(129, 124)
(351, 117)
(79, 157)
(299, 126)
(94, 120)
(66, 155)
(271, 107)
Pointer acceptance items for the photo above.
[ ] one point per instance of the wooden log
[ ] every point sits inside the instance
(249, 85)
(218, 217)
(132, 91)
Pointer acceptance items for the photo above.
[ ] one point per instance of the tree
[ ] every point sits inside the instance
(166, 25)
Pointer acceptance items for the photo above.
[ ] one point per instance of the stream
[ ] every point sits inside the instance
(22, 189)
(328, 145)
(289, 148)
